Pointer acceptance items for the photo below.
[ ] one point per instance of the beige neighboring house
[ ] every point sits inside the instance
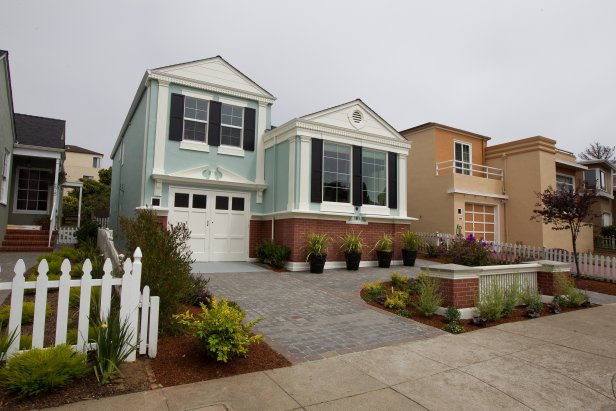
(81, 163)
(600, 175)
(459, 184)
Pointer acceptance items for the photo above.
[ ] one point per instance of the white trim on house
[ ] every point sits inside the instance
(291, 182)
(325, 215)
(6, 177)
(570, 164)
(194, 145)
(162, 110)
(464, 171)
(231, 150)
(304, 173)
(36, 151)
(260, 149)
(477, 193)
(217, 176)
(50, 190)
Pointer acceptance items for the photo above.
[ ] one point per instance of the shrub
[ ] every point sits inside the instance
(316, 244)
(512, 295)
(608, 231)
(571, 296)
(220, 330)
(404, 313)
(395, 303)
(453, 315)
(25, 342)
(41, 370)
(532, 299)
(166, 261)
(410, 240)
(88, 231)
(269, 252)
(492, 303)
(71, 335)
(399, 281)
(454, 328)
(373, 288)
(199, 291)
(385, 243)
(429, 299)
(469, 251)
(351, 243)
(6, 339)
(27, 313)
(112, 337)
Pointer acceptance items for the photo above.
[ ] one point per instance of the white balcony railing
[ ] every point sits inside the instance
(449, 167)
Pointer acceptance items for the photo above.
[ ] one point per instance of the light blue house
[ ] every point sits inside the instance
(198, 147)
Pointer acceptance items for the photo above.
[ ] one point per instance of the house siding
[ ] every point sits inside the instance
(275, 198)
(7, 137)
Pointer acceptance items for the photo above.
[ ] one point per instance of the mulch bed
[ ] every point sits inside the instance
(598, 286)
(439, 321)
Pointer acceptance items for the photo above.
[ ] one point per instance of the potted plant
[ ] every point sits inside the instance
(351, 246)
(44, 222)
(316, 251)
(410, 244)
(384, 249)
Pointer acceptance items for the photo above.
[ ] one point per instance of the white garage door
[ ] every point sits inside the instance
(218, 222)
(480, 220)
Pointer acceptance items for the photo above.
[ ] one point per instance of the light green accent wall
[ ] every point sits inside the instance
(7, 137)
(148, 190)
(277, 178)
(127, 177)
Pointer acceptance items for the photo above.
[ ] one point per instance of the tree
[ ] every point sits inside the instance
(104, 176)
(566, 209)
(597, 151)
(95, 195)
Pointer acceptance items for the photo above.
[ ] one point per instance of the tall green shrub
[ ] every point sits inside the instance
(166, 261)
(429, 298)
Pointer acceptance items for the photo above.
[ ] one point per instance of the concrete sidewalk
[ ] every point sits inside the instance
(563, 362)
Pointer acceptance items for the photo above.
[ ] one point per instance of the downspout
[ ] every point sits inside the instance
(504, 177)
(275, 182)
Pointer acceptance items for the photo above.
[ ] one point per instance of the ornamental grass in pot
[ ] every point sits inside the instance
(384, 249)
(410, 244)
(352, 246)
(316, 251)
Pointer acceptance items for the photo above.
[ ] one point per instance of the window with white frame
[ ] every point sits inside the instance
(231, 124)
(32, 190)
(601, 179)
(374, 177)
(336, 173)
(462, 158)
(606, 219)
(195, 119)
(564, 182)
(4, 185)
(96, 162)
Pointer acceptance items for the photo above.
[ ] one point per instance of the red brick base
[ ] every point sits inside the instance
(460, 293)
(292, 233)
(546, 281)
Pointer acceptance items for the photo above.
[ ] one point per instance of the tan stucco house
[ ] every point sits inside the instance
(459, 184)
(81, 163)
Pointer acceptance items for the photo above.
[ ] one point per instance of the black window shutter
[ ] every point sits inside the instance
(176, 118)
(249, 129)
(213, 132)
(392, 172)
(357, 183)
(316, 190)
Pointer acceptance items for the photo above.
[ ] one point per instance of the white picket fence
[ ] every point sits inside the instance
(598, 266)
(606, 242)
(102, 221)
(66, 235)
(137, 308)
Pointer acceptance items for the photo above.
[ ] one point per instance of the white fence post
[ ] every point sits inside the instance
(17, 300)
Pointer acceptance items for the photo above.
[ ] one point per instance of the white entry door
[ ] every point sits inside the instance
(218, 222)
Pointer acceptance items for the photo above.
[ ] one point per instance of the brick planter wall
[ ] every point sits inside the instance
(292, 233)
(460, 293)
(546, 281)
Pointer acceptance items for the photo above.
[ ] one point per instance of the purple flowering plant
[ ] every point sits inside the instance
(470, 251)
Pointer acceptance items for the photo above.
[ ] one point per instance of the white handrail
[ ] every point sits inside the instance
(471, 168)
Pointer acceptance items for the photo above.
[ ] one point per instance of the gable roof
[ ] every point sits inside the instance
(425, 126)
(357, 102)
(76, 149)
(603, 162)
(39, 131)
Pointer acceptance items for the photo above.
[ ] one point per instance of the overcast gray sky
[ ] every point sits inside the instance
(505, 69)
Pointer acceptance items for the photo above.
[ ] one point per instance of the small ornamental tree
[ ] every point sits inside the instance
(597, 151)
(566, 209)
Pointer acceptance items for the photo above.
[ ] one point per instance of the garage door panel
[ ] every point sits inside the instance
(480, 220)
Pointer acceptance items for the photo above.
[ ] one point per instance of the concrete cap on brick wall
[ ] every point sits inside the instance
(548, 266)
(451, 271)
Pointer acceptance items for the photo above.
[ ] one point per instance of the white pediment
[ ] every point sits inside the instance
(215, 71)
(355, 116)
(211, 174)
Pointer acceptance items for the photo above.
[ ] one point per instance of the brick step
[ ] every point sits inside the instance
(28, 232)
(21, 248)
(27, 242)
(28, 237)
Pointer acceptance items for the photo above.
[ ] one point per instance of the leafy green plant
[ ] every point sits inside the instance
(571, 296)
(71, 334)
(400, 281)
(351, 243)
(453, 315)
(88, 231)
(199, 291)
(27, 313)
(385, 243)
(220, 330)
(404, 313)
(491, 303)
(411, 241)
(429, 298)
(395, 303)
(532, 299)
(373, 288)
(166, 261)
(454, 328)
(6, 339)
(469, 251)
(25, 341)
(512, 296)
(42, 370)
(113, 345)
(269, 252)
(316, 244)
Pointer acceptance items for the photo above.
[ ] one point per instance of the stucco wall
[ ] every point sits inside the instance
(78, 165)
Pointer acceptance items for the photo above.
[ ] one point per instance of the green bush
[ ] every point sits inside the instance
(469, 251)
(6, 339)
(87, 232)
(385, 243)
(399, 281)
(454, 328)
(269, 252)
(453, 315)
(27, 313)
(404, 313)
(373, 288)
(570, 296)
(71, 334)
(429, 298)
(25, 342)
(395, 303)
(492, 303)
(608, 231)
(532, 299)
(512, 296)
(199, 291)
(166, 261)
(411, 241)
(220, 330)
(42, 370)
(112, 337)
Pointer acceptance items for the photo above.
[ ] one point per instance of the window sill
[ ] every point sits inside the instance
(337, 207)
(16, 211)
(375, 210)
(231, 151)
(194, 146)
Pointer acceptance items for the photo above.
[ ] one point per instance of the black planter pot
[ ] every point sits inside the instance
(384, 258)
(352, 260)
(408, 257)
(317, 263)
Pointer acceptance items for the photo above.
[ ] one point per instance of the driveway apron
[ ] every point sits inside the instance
(314, 316)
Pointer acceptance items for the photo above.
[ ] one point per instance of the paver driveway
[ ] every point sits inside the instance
(313, 316)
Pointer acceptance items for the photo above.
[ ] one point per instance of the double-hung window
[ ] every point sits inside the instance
(231, 124)
(195, 119)
(564, 182)
(374, 177)
(4, 184)
(96, 162)
(32, 190)
(602, 185)
(336, 173)
(462, 158)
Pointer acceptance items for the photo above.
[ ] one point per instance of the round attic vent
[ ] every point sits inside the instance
(356, 118)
